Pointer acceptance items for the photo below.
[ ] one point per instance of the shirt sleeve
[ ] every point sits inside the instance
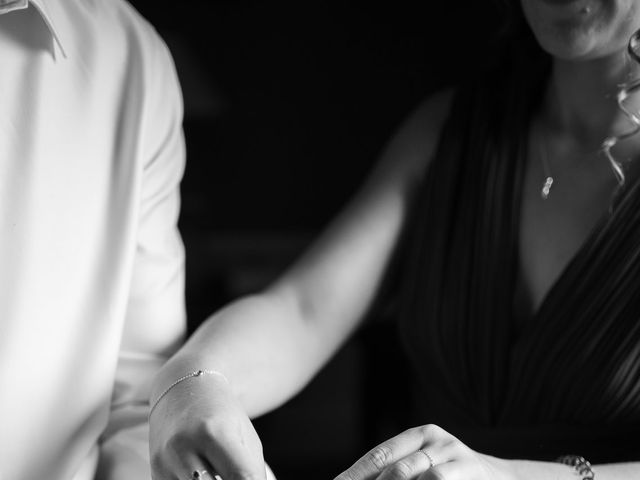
(155, 319)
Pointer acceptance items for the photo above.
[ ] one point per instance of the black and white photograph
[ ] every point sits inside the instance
(319, 240)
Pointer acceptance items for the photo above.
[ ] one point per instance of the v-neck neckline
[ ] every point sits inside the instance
(532, 317)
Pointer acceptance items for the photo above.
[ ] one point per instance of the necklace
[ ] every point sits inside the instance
(544, 160)
(548, 179)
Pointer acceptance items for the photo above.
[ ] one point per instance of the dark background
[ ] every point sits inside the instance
(286, 106)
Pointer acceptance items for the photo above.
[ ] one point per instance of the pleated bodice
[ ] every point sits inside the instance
(568, 381)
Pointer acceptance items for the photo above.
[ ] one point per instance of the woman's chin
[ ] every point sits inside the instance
(580, 45)
(571, 52)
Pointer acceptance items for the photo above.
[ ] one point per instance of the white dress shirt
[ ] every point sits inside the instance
(91, 262)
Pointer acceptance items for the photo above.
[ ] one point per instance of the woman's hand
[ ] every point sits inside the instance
(426, 453)
(200, 426)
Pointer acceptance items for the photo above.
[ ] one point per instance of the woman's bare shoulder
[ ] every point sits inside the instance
(410, 150)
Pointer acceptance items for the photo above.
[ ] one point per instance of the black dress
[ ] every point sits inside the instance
(569, 381)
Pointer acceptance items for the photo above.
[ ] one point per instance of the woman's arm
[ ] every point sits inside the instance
(311, 310)
(430, 453)
(269, 345)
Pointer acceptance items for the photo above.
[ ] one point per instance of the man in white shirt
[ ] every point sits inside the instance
(91, 262)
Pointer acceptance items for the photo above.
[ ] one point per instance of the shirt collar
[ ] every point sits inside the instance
(45, 9)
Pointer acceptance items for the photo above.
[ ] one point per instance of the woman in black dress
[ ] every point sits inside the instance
(509, 209)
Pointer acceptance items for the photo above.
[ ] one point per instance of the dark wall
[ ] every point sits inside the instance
(300, 96)
(287, 105)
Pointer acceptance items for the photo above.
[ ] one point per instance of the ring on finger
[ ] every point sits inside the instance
(198, 474)
(432, 462)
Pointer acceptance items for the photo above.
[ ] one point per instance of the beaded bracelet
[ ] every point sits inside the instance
(580, 465)
(196, 373)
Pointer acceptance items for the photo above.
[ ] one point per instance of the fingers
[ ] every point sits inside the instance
(433, 456)
(204, 475)
(408, 467)
(447, 471)
(235, 456)
(396, 452)
(186, 465)
(198, 468)
(230, 451)
(209, 433)
(425, 453)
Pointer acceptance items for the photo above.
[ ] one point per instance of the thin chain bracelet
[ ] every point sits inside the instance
(196, 373)
(580, 465)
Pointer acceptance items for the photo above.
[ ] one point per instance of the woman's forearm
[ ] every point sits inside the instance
(260, 343)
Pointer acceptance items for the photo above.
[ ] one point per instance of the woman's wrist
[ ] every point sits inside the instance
(183, 369)
(527, 469)
(502, 469)
(579, 464)
(191, 376)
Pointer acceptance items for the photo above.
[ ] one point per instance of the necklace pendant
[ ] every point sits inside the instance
(546, 188)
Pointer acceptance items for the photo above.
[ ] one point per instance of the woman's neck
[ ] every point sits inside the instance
(581, 100)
